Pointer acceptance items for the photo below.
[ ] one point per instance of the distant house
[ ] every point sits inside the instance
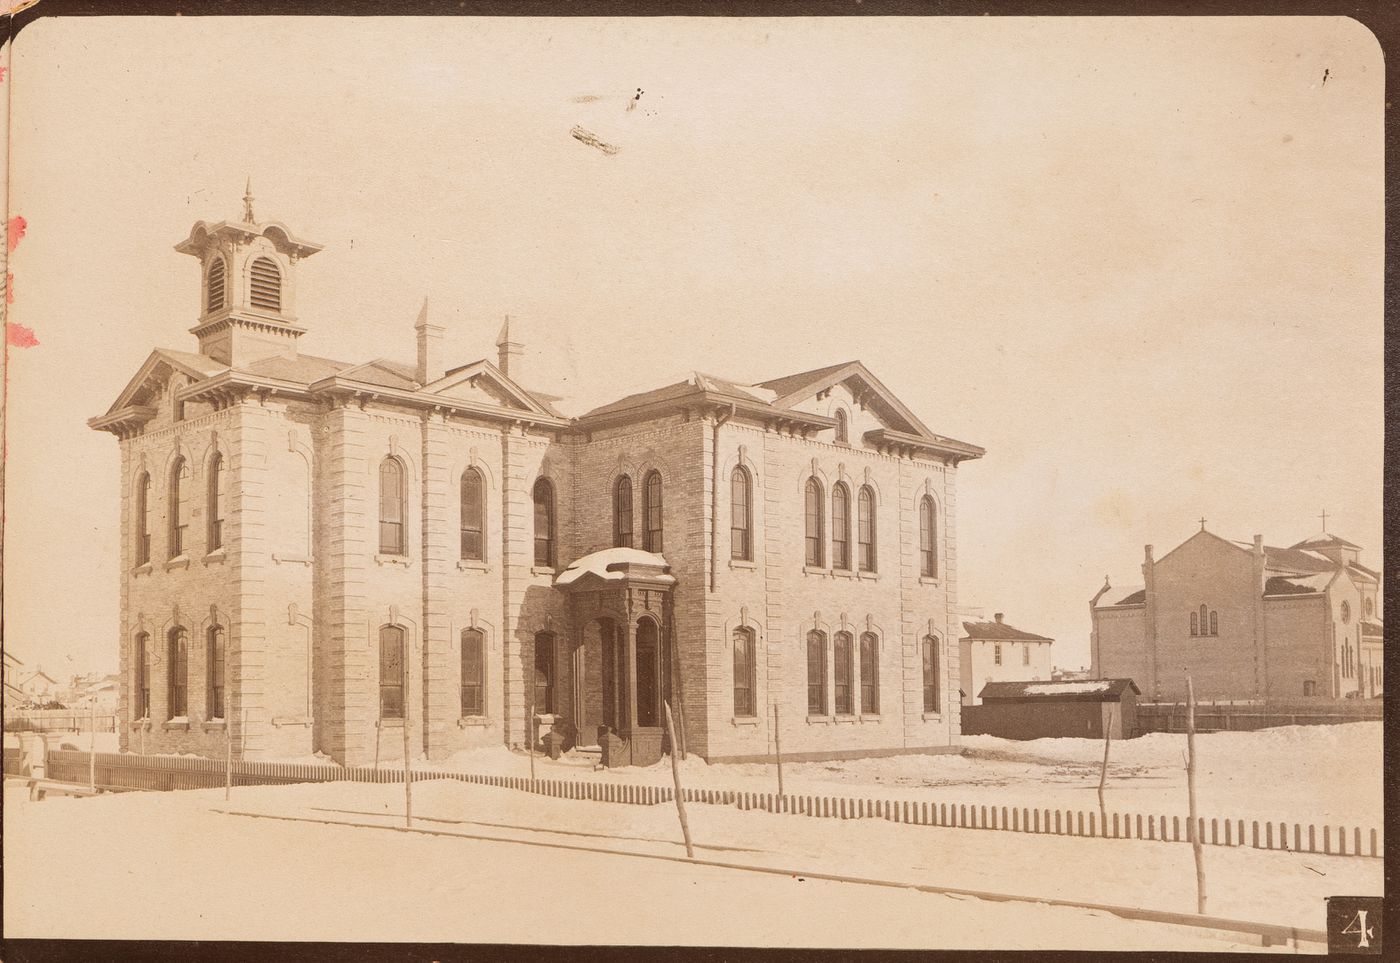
(1070, 675)
(38, 686)
(14, 668)
(1083, 709)
(997, 652)
(106, 692)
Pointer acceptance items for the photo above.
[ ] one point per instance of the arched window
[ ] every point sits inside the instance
(814, 523)
(930, 661)
(844, 673)
(1195, 623)
(622, 512)
(1205, 620)
(217, 664)
(840, 526)
(178, 667)
(391, 507)
(392, 656)
(265, 284)
(143, 519)
(544, 523)
(179, 473)
(741, 514)
(544, 672)
(865, 529)
(744, 678)
(473, 673)
(216, 505)
(843, 427)
(869, 673)
(651, 511)
(928, 539)
(473, 508)
(214, 285)
(143, 675)
(816, 673)
(1214, 625)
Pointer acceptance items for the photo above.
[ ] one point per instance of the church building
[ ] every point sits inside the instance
(339, 551)
(1247, 621)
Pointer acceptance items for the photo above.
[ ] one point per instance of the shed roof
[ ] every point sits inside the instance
(1085, 690)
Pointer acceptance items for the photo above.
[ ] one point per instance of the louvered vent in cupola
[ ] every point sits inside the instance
(266, 287)
(214, 288)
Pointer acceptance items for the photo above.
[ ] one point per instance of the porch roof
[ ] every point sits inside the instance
(616, 565)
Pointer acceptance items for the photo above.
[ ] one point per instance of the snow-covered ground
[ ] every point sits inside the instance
(223, 876)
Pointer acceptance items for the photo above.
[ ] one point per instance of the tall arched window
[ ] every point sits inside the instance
(928, 539)
(473, 509)
(816, 673)
(265, 284)
(215, 285)
(843, 673)
(1204, 620)
(930, 663)
(473, 673)
(544, 672)
(840, 526)
(178, 668)
(744, 673)
(391, 507)
(622, 512)
(740, 515)
(1195, 623)
(865, 529)
(1214, 624)
(651, 511)
(814, 536)
(179, 474)
(143, 519)
(142, 654)
(215, 656)
(869, 673)
(843, 427)
(392, 643)
(216, 505)
(544, 523)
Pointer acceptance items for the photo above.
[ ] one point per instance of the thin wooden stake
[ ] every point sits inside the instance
(228, 758)
(1197, 850)
(1103, 771)
(378, 730)
(407, 775)
(530, 734)
(778, 749)
(92, 746)
(676, 777)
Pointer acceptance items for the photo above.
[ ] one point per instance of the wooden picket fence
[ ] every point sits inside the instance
(130, 771)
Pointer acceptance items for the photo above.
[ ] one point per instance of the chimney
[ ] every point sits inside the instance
(510, 352)
(430, 363)
(998, 616)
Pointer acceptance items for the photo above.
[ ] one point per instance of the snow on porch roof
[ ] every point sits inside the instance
(1088, 690)
(612, 564)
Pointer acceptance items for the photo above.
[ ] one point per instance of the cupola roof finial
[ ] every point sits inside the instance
(248, 202)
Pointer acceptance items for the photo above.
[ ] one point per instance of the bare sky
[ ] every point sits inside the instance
(1137, 260)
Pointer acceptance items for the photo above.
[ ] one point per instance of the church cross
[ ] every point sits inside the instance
(1324, 521)
(1203, 523)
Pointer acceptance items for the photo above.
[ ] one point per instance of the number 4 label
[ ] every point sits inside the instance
(1354, 924)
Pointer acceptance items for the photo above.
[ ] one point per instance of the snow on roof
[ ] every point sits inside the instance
(1086, 690)
(609, 565)
(1122, 595)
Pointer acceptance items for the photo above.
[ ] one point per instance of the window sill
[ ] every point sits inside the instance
(544, 570)
(301, 721)
(143, 569)
(842, 573)
(744, 721)
(181, 724)
(472, 565)
(218, 556)
(741, 563)
(403, 560)
(214, 725)
(870, 717)
(819, 720)
(141, 724)
(843, 719)
(814, 570)
(473, 722)
(927, 580)
(389, 724)
(179, 561)
(868, 576)
(292, 560)
(933, 717)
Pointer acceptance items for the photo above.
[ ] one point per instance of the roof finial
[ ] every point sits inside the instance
(1324, 521)
(1203, 523)
(248, 202)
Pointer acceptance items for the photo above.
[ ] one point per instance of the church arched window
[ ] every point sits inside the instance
(1195, 623)
(265, 284)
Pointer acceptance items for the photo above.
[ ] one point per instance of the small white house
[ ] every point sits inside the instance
(997, 652)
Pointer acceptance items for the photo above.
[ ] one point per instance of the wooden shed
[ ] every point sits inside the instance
(1047, 710)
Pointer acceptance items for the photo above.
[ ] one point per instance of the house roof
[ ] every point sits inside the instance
(793, 383)
(1000, 632)
(1372, 629)
(1123, 595)
(1297, 584)
(1078, 690)
(1326, 540)
(303, 369)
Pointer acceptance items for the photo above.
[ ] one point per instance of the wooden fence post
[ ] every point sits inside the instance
(92, 746)
(778, 749)
(407, 770)
(378, 729)
(228, 758)
(1196, 848)
(530, 732)
(676, 778)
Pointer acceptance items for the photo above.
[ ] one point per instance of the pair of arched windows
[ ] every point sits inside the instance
(855, 667)
(264, 285)
(1205, 622)
(177, 678)
(652, 516)
(815, 542)
(178, 511)
(393, 511)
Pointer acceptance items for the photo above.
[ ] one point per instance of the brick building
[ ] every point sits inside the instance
(338, 549)
(1246, 620)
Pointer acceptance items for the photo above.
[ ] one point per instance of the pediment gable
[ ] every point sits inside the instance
(153, 377)
(806, 393)
(483, 383)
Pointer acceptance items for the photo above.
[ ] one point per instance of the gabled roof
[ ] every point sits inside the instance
(527, 399)
(800, 383)
(1122, 595)
(1000, 632)
(1078, 690)
(799, 387)
(303, 369)
(382, 372)
(1325, 540)
(1297, 584)
(697, 384)
(197, 366)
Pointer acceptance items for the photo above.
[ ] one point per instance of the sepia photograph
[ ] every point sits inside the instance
(864, 483)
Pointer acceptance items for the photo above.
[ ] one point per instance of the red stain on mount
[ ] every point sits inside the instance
(19, 336)
(17, 227)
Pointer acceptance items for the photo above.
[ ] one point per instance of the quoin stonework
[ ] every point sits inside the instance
(340, 550)
(1247, 621)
